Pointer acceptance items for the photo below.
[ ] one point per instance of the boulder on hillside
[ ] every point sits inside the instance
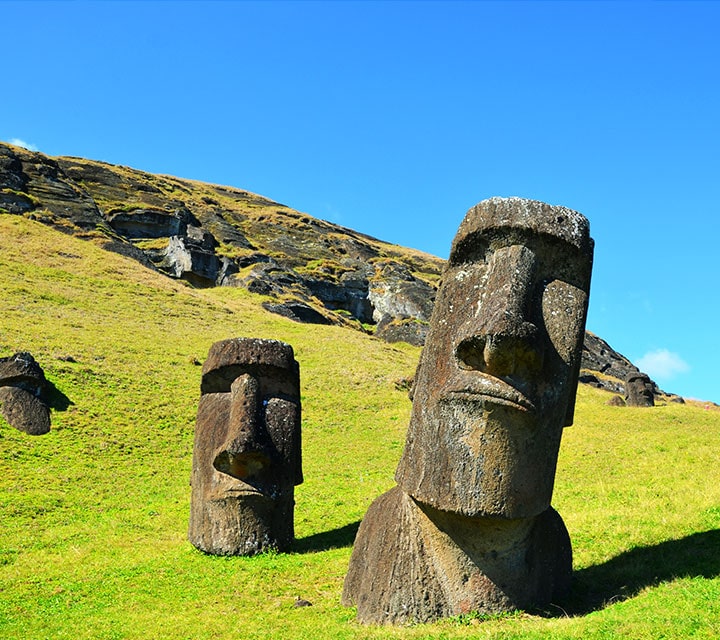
(297, 311)
(410, 330)
(395, 293)
(147, 223)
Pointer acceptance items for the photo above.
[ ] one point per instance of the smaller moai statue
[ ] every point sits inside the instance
(639, 390)
(247, 452)
(23, 391)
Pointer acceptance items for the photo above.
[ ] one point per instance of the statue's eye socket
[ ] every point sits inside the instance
(470, 249)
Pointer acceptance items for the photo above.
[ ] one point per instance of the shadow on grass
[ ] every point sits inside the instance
(56, 399)
(624, 576)
(340, 537)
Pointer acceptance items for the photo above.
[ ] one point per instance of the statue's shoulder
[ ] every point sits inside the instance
(389, 578)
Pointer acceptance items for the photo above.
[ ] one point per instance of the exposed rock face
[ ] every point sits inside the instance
(469, 526)
(211, 235)
(402, 329)
(297, 311)
(395, 293)
(247, 454)
(401, 303)
(33, 182)
(23, 391)
(598, 355)
(604, 368)
(147, 223)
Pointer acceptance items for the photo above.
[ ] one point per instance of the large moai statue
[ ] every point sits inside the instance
(469, 526)
(247, 455)
(23, 394)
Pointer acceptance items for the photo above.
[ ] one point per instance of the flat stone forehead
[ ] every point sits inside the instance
(271, 361)
(20, 367)
(249, 351)
(531, 215)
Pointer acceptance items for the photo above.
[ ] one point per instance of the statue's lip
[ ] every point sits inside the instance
(239, 492)
(483, 388)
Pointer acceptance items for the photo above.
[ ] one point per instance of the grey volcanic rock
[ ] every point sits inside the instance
(271, 279)
(402, 304)
(147, 223)
(297, 311)
(12, 176)
(598, 355)
(45, 187)
(348, 293)
(408, 330)
(395, 293)
(190, 259)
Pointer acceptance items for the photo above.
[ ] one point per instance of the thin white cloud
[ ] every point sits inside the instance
(21, 143)
(662, 364)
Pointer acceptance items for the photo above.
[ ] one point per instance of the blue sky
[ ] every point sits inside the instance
(393, 118)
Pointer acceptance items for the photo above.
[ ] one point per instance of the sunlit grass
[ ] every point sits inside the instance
(94, 514)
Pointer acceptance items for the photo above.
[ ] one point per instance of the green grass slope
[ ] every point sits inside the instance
(93, 516)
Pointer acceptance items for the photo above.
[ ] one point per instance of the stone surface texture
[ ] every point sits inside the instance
(469, 526)
(639, 390)
(247, 452)
(23, 394)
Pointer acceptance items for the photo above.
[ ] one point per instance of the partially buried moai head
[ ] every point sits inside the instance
(497, 378)
(639, 390)
(247, 454)
(23, 391)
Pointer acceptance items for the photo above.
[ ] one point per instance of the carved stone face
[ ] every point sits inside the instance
(22, 394)
(498, 375)
(639, 390)
(247, 455)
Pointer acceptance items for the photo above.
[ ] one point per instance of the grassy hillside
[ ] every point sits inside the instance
(94, 514)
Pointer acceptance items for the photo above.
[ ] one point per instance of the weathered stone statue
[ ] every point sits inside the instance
(469, 526)
(247, 457)
(639, 390)
(23, 394)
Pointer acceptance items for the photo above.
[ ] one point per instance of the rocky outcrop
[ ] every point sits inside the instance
(33, 182)
(209, 235)
(600, 357)
(604, 368)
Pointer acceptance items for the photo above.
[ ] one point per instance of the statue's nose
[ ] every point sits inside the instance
(500, 338)
(243, 453)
